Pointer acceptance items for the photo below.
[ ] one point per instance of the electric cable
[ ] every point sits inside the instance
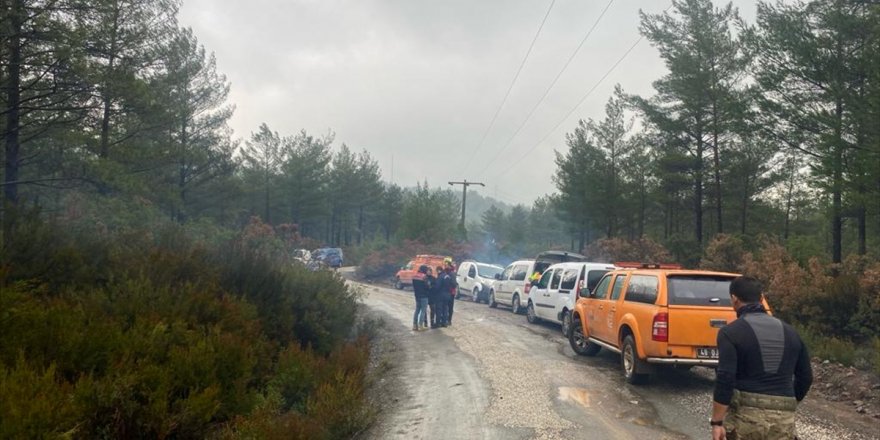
(512, 83)
(555, 80)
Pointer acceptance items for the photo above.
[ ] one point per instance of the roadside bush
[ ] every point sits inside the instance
(836, 305)
(612, 250)
(724, 253)
(129, 333)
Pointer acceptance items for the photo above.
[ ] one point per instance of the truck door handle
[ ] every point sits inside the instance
(601, 307)
(717, 323)
(614, 309)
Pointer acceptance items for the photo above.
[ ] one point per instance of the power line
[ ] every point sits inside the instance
(573, 109)
(510, 88)
(584, 98)
(558, 75)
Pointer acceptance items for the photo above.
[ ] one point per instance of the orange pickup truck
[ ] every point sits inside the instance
(653, 315)
(404, 276)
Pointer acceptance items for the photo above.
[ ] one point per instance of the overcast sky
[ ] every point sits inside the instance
(418, 81)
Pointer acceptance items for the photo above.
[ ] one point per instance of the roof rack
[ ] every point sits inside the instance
(638, 265)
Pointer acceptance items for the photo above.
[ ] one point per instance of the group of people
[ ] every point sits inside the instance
(434, 290)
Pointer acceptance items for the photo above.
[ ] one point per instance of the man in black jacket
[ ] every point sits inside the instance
(763, 371)
(422, 283)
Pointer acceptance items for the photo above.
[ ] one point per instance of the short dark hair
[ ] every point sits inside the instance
(747, 289)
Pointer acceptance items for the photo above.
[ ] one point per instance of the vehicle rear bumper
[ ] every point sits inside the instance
(683, 361)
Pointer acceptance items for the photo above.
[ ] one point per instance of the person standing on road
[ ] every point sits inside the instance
(451, 288)
(442, 297)
(438, 297)
(421, 283)
(763, 371)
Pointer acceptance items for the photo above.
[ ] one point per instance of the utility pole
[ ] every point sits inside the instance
(464, 186)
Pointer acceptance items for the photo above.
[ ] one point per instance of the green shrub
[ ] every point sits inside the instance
(129, 333)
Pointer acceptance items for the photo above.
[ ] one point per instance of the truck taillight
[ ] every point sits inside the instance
(528, 287)
(660, 329)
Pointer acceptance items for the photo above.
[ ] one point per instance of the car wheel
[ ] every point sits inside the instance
(579, 342)
(492, 303)
(566, 323)
(516, 307)
(397, 284)
(530, 314)
(629, 358)
(476, 297)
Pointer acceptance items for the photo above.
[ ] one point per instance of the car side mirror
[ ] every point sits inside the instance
(584, 293)
(498, 276)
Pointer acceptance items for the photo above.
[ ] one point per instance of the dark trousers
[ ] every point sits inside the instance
(451, 308)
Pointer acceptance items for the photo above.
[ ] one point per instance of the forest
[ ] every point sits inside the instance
(130, 209)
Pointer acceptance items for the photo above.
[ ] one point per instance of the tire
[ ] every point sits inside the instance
(530, 314)
(630, 362)
(397, 284)
(515, 305)
(476, 297)
(491, 302)
(566, 323)
(579, 343)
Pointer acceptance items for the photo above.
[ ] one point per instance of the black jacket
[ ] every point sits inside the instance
(759, 353)
(422, 285)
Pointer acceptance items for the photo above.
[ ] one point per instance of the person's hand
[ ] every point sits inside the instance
(719, 433)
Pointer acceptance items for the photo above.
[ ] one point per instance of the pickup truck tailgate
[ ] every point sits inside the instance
(698, 306)
(697, 326)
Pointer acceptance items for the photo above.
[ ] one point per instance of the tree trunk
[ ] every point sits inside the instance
(745, 205)
(837, 187)
(788, 201)
(698, 191)
(717, 164)
(266, 183)
(181, 180)
(108, 101)
(13, 102)
(360, 236)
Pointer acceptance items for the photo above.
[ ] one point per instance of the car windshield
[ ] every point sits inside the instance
(486, 271)
(699, 290)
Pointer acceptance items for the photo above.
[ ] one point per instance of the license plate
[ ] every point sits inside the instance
(707, 353)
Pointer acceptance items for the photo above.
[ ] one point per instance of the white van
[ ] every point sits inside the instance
(513, 285)
(555, 294)
(476, 279)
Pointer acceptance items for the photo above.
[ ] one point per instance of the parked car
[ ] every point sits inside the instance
(476, 279)
(653, 315)
(404, 276)
(556, 293)
(332, 257)
(512, 286)
(302, 255)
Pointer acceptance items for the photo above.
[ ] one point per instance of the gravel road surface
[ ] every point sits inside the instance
(492, 375)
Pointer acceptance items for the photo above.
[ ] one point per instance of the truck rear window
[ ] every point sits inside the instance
(698, 290)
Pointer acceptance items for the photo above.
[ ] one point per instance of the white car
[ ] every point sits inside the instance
(555, 294)
(513, 285)
(476, 279)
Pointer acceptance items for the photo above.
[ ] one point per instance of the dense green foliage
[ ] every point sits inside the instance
(768, 128)
(150, 333)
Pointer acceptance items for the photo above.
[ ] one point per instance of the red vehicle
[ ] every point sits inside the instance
(404, 276)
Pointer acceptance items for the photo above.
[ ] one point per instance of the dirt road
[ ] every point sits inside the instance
(492, 375)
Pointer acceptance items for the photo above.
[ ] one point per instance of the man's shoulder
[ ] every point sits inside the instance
(735, 326)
